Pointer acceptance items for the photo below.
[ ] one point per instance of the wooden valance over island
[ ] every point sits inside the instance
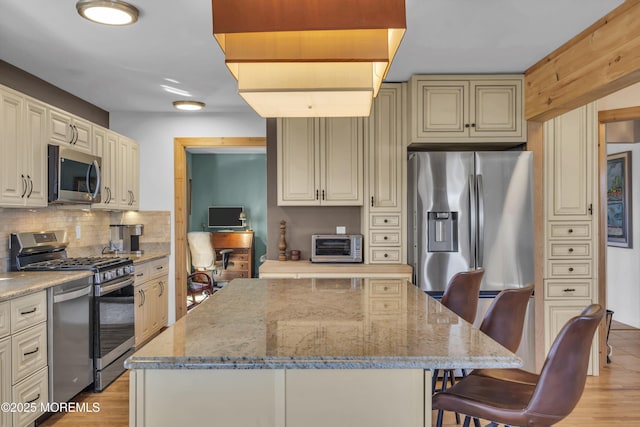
(305, 352)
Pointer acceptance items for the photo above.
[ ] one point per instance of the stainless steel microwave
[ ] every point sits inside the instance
(336, 248)
(74, 177)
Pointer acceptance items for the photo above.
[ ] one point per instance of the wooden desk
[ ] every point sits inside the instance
(240, 260)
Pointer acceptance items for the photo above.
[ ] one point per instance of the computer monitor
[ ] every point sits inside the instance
(225, 217)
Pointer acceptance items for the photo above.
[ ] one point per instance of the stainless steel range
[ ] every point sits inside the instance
(103, 325)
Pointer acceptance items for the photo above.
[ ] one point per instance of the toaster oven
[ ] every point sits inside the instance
(336, 248)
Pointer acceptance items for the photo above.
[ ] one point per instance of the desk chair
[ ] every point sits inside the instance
(554, 395)
(203, 262)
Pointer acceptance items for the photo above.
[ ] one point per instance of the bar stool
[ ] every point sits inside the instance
(553, 396)
(461, 297)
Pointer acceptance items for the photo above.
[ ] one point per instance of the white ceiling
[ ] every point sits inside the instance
(125, 68)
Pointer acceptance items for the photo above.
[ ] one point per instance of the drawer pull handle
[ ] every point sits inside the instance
(33, 400)
(571, 230)
(31, 352)
(160, 267)
(139, 274)
(386, 220)
(386, 288)
(22, 313)
(386, 255)
(570, 249)
(569, 290)
(386, 238)
(570, 268)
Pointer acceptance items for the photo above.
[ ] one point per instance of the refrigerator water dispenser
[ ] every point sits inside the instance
(443, 231)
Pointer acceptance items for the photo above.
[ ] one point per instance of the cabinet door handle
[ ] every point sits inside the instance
(473, 125)
(31, 352)
(570, 249)
(466, 125)
(386, 255)
(386, 220)
(33, 400)
(322, 194)
(30, 186)
(570, 230)
(22, 313)
(317, 195)
(570, 269)
(371, 201)
(569, 290)
(161, 288)
(24, 186)
(386, 238)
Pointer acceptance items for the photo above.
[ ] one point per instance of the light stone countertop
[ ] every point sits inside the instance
(137, 259)
(321, 323)
(19, 283)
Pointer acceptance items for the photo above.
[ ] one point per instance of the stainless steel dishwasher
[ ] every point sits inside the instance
(70, 339)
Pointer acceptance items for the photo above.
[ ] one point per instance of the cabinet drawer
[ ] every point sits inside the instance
(385, 255)
(385, 288)
(28, 352)
(141, 273)
(384, 238)
(385, 220)
(27, 311)
(226, 275)
(385, 305)
(236, 266)
(568, 249)
(567, 288)
(564, 230)
(158, 267)
(33, 390)
(566, 269)
(5, 318)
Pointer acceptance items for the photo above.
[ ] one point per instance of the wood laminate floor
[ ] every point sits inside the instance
(610, 399)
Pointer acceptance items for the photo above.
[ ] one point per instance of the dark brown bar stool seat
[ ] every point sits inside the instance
(552, 398)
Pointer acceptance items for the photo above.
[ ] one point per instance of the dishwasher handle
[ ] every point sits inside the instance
(72, 295)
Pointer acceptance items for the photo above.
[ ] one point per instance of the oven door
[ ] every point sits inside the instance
(114, 327)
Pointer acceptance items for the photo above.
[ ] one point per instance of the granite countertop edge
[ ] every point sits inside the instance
(20, 283)
(374, 362)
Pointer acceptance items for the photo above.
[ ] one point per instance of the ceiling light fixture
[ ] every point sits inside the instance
(108, 12)
(188, 105)
(309, 59)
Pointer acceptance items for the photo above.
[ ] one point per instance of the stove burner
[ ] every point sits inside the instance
(85, 263)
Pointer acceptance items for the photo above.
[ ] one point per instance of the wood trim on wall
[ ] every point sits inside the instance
(597, 62)
(180, 146)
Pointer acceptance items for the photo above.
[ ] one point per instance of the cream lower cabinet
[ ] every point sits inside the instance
(281, 398)
(23, 357)
(466, 108)
(571, 238)
(23, 145)
(383, 216)
(151, 299)
(320, 161)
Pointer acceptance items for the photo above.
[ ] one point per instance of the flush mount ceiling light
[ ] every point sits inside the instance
(108, 12)
(188, 105)
(309, 59)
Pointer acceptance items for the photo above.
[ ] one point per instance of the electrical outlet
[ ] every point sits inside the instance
(341, 229)
(78, 234)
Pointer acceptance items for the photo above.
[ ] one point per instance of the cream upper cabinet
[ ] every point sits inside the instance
(128, 182)
(467, 108)
(570, 147)
(23, 128)
(105, 145)
(383, 214)
(320, 161)
(571, 264)
(67, 129)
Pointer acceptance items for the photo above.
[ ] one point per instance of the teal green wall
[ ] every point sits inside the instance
(231, 180)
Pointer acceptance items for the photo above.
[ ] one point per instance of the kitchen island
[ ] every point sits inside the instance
(305, 352)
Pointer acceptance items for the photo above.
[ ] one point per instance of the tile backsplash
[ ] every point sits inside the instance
(93, 226)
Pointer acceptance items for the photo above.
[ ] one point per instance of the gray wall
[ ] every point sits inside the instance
(302, 221)
(20, 80)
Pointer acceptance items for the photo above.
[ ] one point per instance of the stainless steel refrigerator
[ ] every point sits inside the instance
(470, 210)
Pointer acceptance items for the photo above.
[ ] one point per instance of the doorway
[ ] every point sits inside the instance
(180, 147)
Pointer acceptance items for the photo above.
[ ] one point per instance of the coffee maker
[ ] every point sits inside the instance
(125, 238)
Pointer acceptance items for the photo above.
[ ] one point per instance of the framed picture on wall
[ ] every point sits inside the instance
(619, 221)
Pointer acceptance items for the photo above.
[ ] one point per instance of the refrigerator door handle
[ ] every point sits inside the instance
(480, 221)
(473, 232)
